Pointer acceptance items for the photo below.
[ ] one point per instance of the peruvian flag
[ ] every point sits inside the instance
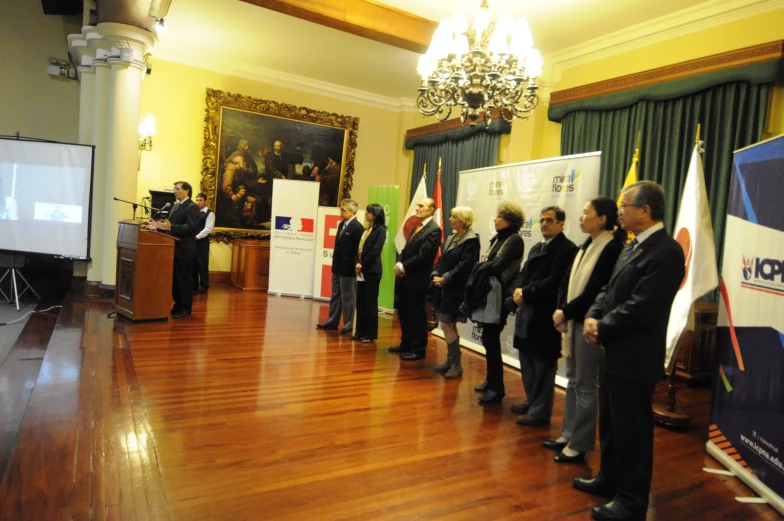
(439, 214)
(694, 232)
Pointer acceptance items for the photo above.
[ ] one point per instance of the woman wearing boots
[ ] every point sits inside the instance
(498, 268)
(460, 253)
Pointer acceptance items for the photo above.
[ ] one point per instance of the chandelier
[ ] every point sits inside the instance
(479, 68)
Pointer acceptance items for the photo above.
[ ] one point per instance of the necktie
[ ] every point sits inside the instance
(174, 209)
(627, 252)
(416, 231)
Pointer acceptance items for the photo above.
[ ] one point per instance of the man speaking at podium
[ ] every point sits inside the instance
(183, 223)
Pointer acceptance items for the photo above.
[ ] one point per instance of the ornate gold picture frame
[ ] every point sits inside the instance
(248, 142)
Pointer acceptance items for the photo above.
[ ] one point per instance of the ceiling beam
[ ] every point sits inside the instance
(364, 18)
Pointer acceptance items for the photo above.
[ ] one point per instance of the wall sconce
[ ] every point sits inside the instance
(146, 131)
(159, 28)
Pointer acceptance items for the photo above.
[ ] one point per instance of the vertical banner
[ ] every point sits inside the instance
(747, 406)
(326, 231)
(293, 241)
(389, 198)
(568, 182)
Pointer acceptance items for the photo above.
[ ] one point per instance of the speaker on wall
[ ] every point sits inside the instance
(62, 7)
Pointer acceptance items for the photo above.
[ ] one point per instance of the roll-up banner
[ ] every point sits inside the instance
(568, 182)
(389, 198)
(747, 405)
(293, 237)
(326, 232)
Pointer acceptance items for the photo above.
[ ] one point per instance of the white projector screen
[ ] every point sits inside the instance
(45, 198)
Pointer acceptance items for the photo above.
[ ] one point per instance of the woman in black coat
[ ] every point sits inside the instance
(369, 273)
(460, 253)
(502, 262)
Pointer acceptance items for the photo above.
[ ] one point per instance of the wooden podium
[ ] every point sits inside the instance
(250, 265)
(145, 266)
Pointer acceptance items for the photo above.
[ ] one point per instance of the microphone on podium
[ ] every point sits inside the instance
(165, 207)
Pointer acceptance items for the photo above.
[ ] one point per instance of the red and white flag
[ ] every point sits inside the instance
(439, 214)
(410, 221)
(694, 232)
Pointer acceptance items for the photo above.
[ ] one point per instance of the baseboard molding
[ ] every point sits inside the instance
(219, 276)
(98, 290)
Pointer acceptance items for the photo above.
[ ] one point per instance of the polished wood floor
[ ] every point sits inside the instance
(245, 411)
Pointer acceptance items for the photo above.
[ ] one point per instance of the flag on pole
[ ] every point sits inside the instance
(694, 233)
(631, 178)
(439, 214)
(405, 225)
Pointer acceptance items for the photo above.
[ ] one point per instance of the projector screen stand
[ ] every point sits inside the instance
(16, 286)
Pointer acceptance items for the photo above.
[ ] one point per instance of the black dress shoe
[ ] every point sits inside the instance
(203, 290)
(615, 511)
(368, 340)
(413, 355)
(482, 388)
(527, 419)
(595, 485)
(325, 326)
(182, 314)
(492, 396)
(563, 458)
(520, 408)
(345, 331)
(554, 445)
(399, 349)
(356, 337)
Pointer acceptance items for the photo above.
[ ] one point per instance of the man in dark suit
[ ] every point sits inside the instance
(344, 275)
(414, 269)
(183, 223)
(629, 318)
(536, 293)
(201, 261)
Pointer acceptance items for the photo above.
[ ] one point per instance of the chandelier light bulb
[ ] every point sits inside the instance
(533, 64)
(147, 126)
(459, 23)
(425, 66)
(481, 23)
(461, 45)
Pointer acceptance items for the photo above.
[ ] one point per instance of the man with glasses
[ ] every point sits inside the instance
(183, 223)
(629, 319)
(536, 293)
(344, 275)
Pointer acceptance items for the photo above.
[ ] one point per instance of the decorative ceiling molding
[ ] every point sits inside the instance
(290, 81)
(727, 60)
(687, 21)
(371, 20)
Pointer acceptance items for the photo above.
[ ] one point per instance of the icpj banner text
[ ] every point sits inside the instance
(293, 237)
(568, 182)
(389, 199)
(747, 409)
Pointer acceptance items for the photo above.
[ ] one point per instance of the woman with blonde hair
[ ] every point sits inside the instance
(459, 254)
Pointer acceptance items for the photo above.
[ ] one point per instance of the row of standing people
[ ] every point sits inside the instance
(605, 306)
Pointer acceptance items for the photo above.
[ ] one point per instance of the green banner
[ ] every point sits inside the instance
(387, 196)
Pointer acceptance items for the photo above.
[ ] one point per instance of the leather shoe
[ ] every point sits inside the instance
(615, 511)
(325, 326)
(492, 396)
(345, 331)
(356, 337)
(368, 340)
(554, 445)
(481, 388)
(203, 290)
(413, 355)
(595, 485)
(520, 408)
(527, 419)
(182, 314)
(563, 458)
(399, 349)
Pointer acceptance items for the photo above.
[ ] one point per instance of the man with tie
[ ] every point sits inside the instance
(344, 276)
(536, 293)
(414, 269)
(629, 319)
(201, 264)
(183, 223)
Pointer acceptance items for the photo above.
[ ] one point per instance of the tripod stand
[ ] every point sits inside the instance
(16, 294)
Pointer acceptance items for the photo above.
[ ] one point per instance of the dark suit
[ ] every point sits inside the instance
(633, 311)
(344, 275)
(417, 258)
(184, 219)
(367, 292)
(537, 341)
(201, 260)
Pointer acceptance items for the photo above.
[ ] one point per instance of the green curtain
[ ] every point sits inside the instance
(477, 151)
(732, 116)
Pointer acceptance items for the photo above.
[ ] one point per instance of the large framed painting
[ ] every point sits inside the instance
(248, 142)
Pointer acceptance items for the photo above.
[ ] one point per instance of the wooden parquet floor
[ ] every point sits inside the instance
(245, 411)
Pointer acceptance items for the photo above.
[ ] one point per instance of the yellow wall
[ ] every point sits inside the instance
(175, 95)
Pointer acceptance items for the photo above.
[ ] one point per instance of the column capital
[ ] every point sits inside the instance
(95, 45)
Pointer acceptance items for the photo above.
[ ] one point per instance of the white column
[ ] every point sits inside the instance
(86, 94)
(100, 131)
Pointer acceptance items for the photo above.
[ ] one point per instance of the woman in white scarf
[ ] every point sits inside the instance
(591, 270)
